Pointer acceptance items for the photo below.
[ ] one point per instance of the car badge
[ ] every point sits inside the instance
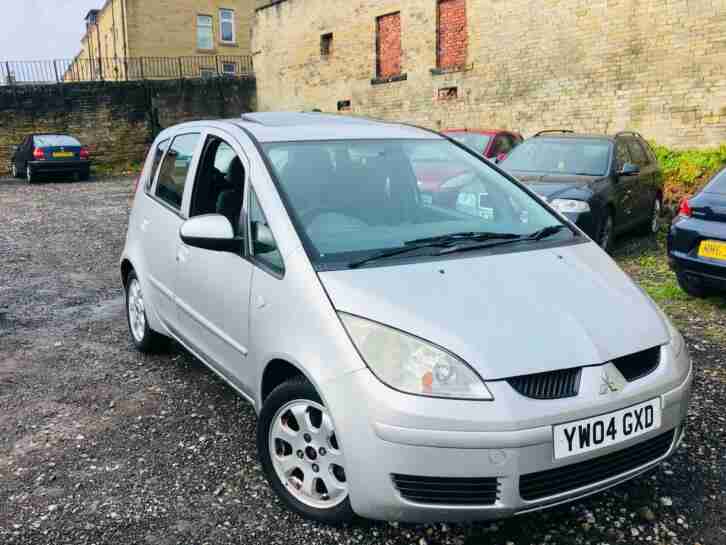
(610, 381)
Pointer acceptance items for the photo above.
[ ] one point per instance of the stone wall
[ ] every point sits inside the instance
(116, 120)
(656, 66)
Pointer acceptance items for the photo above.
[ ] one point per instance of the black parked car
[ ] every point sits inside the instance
(697, 240)
(50, 154)
(604, 184)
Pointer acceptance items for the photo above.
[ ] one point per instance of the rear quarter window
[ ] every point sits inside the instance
(717, 184)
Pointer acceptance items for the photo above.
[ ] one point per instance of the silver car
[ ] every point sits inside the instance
(415, 351)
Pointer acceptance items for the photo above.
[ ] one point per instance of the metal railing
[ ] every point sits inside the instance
(123, 69)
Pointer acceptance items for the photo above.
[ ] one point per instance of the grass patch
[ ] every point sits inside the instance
(645, 259)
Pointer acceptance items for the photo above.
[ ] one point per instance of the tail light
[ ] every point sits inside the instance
(84, 153)
(38, 154)
(685, 210)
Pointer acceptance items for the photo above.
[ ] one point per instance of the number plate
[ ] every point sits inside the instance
(609, 429)
(63, 154)
(712, 249)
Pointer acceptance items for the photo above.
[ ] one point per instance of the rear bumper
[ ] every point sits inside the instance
(684, 239)
(59, 166)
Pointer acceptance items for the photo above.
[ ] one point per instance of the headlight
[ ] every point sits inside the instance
(570, 205)
(411, 365)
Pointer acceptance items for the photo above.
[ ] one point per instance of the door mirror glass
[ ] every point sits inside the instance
(501, 157)
(262, 238)
(210, 232)
(629, 169)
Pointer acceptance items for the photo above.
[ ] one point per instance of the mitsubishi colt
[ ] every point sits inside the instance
(407, 359)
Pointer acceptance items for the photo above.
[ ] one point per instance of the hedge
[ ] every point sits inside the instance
(687, 171)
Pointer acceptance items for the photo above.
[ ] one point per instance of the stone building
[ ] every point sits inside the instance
(656, 66)
(161, 30)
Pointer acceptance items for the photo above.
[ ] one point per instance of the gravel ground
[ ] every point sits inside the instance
(99, 444)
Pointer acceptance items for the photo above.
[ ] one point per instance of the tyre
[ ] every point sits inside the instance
(652, 226)
(606, 233)
(84, 175)
(692, 286)
(144, 338)
(300, 454)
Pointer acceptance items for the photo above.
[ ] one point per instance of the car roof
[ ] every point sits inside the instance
(572, 136)
(309, 126)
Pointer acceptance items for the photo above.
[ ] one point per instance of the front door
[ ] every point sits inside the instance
(213, 288)
(644, 191)
(159, 219)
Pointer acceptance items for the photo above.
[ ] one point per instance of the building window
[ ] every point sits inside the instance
(388, 45)
(226, 26)
(344, 106)
(448, 93)
(229, 68)
(451, 36)
(326, 44)
(205, 32)
(207, 73)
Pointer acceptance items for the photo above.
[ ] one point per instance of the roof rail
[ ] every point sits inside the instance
(568, 131)
(631, 133)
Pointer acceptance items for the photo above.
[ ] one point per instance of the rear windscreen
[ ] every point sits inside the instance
(54, 140)
(718, 183)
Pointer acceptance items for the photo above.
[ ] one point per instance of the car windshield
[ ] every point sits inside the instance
(352, 199)
(560, 156)
(477, 142)
(55, 140)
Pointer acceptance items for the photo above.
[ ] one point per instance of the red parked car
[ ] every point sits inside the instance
(491, 143)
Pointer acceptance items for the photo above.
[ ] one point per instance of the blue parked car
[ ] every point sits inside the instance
(50, 154)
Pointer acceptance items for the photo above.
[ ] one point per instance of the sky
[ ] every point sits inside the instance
(42, 29)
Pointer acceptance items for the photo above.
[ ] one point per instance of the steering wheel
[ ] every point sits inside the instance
(307, 217)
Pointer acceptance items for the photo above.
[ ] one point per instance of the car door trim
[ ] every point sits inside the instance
(207, 361)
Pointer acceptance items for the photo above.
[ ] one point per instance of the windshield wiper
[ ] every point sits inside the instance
(453, 238)
(532, 237)
(392, 253)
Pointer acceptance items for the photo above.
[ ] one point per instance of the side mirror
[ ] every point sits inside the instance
(262, 238)
(210, 232)
(629, 169)
(501, 157)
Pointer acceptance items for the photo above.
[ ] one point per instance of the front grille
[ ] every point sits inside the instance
(447, 490)
(638, 365)
(550, 385)
(542, 484)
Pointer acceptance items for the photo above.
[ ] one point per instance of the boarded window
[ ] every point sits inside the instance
(388, 45)
(452, 37)
(326, 45)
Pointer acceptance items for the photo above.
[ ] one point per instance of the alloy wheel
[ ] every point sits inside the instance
(15, 170)
(606, 233)
(28, 175)
(137, 314)
(306, 456)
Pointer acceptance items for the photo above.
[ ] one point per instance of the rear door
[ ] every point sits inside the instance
(161, 218)
(644, 182)
(213, 287)
(624, 187)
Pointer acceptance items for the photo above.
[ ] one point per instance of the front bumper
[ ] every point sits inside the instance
(392, 433)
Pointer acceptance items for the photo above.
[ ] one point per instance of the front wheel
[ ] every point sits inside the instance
(299, 451)
(652, 226)
(14, 169)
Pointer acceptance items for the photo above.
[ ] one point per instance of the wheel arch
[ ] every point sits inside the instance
(276, 372)
(126, 268)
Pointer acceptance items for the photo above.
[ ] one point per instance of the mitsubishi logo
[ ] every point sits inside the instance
(608, 384)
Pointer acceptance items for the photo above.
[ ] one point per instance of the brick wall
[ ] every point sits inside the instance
(116, 120)
(656, 66)
(388, 45)
(452, 35)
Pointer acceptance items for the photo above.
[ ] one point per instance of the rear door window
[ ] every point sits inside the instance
(717, 184)
(637, 153)
(175, 168)
(158, 156)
